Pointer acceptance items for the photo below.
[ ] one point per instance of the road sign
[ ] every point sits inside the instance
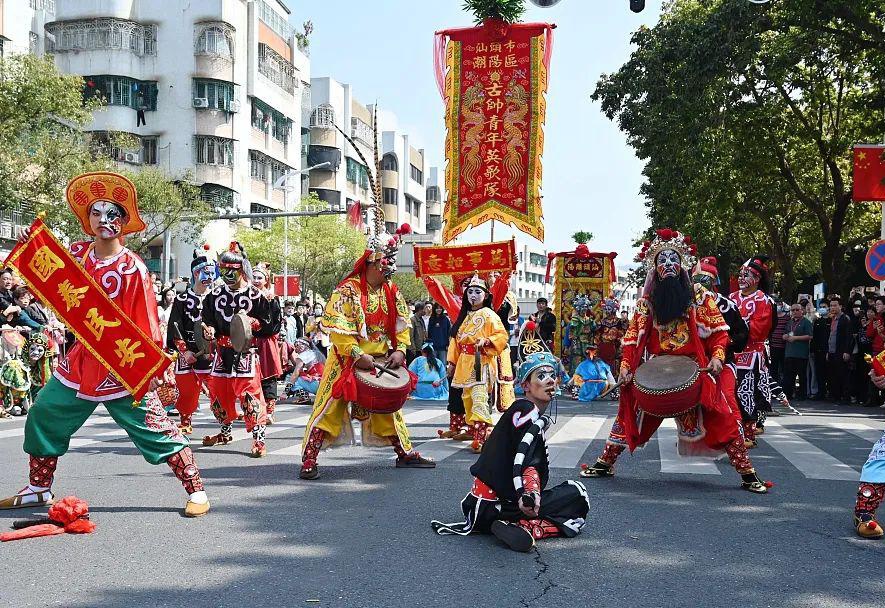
(875, 262)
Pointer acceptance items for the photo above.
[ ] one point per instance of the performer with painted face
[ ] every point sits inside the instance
(39, 357)
(479, 339)
(675, 318)
(235, 375)
(757, 309)
(106, 205)
(366, 317)
(706, 274)
(194, 361)
(268, 347)
(508, 498)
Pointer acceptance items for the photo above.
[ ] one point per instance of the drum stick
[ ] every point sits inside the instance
(384, 370)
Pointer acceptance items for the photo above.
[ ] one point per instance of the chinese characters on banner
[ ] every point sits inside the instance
(61, 283)
(588, 275)
(465, 259)
(493, 81)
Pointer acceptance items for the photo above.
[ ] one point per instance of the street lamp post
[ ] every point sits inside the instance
(283, 182)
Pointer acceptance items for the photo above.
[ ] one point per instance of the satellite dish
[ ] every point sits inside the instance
(544, 3)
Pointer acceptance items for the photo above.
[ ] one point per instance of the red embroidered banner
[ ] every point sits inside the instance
(460, 260)
(493, 83)
(61, 283)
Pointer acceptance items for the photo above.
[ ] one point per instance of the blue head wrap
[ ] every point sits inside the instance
(533, 362)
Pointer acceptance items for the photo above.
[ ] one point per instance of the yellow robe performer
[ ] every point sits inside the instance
(361, 320)
(479, 330)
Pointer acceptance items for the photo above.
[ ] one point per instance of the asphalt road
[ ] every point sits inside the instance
(663, 532)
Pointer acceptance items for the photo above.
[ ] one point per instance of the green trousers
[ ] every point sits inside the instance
(58, 413)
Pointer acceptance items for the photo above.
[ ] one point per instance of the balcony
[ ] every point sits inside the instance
(434, 222)
(105, 33)
(275, 68)
(332, 197)
(12, 220)
(323, 154)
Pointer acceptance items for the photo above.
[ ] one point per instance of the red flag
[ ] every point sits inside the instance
(869, 173)
(355, 215)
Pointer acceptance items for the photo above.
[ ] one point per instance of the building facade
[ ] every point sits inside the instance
(528, 281)
(212, 92)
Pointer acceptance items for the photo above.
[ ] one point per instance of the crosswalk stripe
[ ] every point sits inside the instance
(811, 461)
(672, 462)
(570, 442)
(861, 430)
(422, 415)
(439, 449)
(82, 442)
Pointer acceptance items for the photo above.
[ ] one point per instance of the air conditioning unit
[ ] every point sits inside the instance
(201, 102)
(233, 106)
(132, 157)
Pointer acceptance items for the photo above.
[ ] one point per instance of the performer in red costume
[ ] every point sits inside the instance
(674, 317)
(268, 347)
(192, 365)
(236, 376)
(706, 274)
(753, 380)
(107, 206)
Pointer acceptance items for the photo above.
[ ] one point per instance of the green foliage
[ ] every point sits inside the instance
(41, 141)
(745, 116)
(321, 249)
(509, 11)
(582, 237)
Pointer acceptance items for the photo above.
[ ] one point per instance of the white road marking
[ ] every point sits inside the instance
(568, 445)
(672, 462)
(813, 462)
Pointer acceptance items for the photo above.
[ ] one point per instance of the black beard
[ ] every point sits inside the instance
(670, 298)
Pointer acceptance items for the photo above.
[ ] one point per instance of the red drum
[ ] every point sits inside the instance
(383, 392)
(667, 385)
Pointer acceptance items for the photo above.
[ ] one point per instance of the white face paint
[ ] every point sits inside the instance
(258, 279)
(476, 296)
(747, 278)
(668, 264)
(106, 219)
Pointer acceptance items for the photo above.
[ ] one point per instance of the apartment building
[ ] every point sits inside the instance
(211, 90)
(528, 281)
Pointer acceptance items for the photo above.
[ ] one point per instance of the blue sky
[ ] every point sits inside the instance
(591, 177)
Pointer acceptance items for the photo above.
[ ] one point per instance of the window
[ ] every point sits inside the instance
(121, 91)
(520, 292)
(220, 197)
(416, 174)
(357, 173)
(218, 94)
(433, 194)
(390, 227)
(258, 165)
(275, 68)
(216, 40)
(389, 196)
(416, 208)
(323, 117)
(274, 20)
(388, 163)
(103, 33)
(408, 204)
(361, 131)
(149, 150)
(277, 170)
(258, 208)
(39, 5)
(214, 150)
(267, 119)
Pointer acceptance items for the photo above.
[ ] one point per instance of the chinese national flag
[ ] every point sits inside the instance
(869, 173)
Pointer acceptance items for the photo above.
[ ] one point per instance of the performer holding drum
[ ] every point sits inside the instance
(685, 336)
(184, 334)
(364, 378)
(233, 313)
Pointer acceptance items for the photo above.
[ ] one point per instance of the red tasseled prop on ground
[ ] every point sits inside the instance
(70, 515)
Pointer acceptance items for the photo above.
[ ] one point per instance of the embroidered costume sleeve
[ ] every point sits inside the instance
(344, 313)
(711, 325)
(638, 324)
(403, 337)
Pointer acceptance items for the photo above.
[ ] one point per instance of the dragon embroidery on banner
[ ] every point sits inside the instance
(473, 120)
(514, 128)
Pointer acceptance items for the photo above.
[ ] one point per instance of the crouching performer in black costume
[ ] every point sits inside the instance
(508, 498)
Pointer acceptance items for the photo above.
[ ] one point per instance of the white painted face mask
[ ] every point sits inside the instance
(475, 295)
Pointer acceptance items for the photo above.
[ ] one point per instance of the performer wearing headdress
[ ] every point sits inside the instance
(38, 349)
(236, 376)
(757, 309)
(192, 365)
(674, 317)
(706, 274)
(508, 498)
(268, 346)
(592, 377)
(106, 205)
(478, 340)
(366, 317)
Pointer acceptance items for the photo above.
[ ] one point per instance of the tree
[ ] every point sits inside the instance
(746, 116)
(42, 145)
(321, 249)
(411, 287)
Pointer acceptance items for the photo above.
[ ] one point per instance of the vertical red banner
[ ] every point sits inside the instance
(494, 85)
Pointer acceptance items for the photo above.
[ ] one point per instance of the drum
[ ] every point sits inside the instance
(200, 340)
(383, 392)
(241, 332)
(667, 386)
